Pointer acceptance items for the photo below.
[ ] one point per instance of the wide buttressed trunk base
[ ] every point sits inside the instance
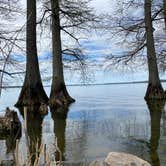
(59, 97)
(155, 92)
(32, 95)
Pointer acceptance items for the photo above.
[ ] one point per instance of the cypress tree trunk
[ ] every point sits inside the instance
(154, 89)
(164, 11)
(32, 92)
(59, 95)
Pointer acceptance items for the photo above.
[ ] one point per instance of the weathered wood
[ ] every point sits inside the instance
(10, 131)
(10, 123)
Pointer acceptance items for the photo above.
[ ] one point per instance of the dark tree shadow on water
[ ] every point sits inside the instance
(155, 109)
(59, 116)
(34, 132)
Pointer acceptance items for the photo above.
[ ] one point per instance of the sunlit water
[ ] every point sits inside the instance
(103, 119)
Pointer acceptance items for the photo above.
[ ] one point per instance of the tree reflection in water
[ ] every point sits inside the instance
(59, 116)
(155, 109)
(34, 131)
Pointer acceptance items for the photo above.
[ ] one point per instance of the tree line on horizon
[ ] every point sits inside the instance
(78, 15)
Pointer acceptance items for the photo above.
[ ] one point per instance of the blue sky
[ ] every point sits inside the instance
(97, 71)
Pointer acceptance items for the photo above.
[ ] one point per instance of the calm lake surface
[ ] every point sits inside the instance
(103, 119)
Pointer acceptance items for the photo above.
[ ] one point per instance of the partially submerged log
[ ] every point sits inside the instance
(10, 123)
(10, 131)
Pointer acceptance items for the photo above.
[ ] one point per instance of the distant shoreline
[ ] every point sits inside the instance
(96, 84)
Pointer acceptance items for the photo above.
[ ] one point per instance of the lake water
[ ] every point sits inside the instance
(103, 119)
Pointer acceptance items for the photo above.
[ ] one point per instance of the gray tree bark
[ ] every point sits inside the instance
(32, 92)
(154, 89)
(59, 95)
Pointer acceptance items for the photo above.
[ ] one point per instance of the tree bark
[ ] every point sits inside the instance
(164, 12)
(154, 89)
(59, 95)
(32, 92)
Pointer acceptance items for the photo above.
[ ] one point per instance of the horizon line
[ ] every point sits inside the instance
(88, 84)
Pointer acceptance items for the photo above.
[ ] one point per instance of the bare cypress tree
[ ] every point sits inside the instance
(154, 90)
(68, 16)
(32, 92)
(136, 33)
(59, 94)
